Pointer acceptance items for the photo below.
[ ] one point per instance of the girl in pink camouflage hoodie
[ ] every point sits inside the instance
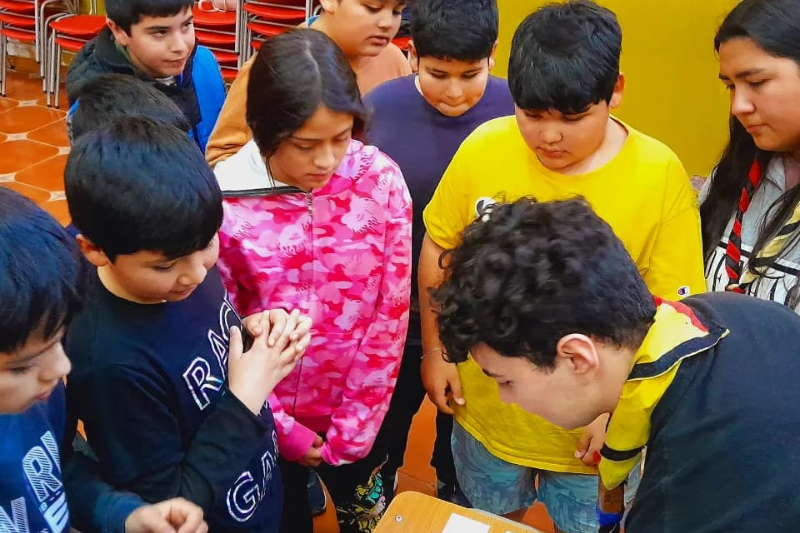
(318, 222)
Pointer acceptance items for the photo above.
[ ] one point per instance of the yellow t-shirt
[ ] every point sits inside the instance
(643, 193)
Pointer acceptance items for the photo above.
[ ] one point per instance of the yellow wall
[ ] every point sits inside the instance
(668, 58)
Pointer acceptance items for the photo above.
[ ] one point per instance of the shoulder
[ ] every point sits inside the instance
(392, 55)
(387, 92)
(367, 160)
(243, 170)
(204, 59)
(499, 94)
(373, 172)
(496, 132)
(649, 149)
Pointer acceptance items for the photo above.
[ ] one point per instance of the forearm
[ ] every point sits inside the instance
(95, 507)
(220, 451)
(430, 276)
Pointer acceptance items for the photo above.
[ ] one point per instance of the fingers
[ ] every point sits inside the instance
(252, 324)
(583, 443)
(302, 329)
(302, 344)
(148, 519)
(455, 388)
(439, 399)
(291, 323)
(278, 318)
(188, 516)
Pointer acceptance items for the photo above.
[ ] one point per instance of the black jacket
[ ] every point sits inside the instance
(101, 56)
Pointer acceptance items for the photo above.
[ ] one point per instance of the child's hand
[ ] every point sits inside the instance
(313, 456)
(170, 516)
(441, 381)
(275, 321)
(252, 375)
(592, 441)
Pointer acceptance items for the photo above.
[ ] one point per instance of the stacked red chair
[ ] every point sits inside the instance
(267, 18)
(68, 33)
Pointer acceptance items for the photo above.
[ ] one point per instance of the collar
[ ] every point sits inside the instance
(677, 333)
(246, 174)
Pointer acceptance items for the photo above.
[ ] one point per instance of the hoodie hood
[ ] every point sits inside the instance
(245, 174)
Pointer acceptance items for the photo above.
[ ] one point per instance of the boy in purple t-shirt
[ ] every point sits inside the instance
(420, 121)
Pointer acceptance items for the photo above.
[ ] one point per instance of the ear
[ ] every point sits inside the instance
(619, 88)
(328, 6)
(491, 56)
(91, 252)
(120, 35)
(579, 353)
(413, 59)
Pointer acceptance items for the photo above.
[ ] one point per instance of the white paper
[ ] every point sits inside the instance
(462, 524)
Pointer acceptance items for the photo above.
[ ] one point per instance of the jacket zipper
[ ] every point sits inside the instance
(300, 369)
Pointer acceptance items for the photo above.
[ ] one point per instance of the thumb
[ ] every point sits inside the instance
(235, 345)
(155, 523)
(583, 444)
(318, 442)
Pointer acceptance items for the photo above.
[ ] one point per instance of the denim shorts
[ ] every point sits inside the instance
(496, 486)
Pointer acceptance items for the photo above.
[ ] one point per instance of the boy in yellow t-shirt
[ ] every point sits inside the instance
(565, 79)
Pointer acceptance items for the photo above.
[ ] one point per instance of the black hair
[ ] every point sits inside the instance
(108, 97)
(293, 74)
(531, 273)
(465, 30)
(565, 57)
(773, 25)
(42, 272)
(126, 13)
(137, 184)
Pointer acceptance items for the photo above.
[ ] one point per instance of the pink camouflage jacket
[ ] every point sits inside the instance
(341, 255)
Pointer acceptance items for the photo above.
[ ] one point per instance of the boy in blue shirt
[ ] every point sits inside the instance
(42, 279)
(155, 42)
(170, 403)
(420, 121)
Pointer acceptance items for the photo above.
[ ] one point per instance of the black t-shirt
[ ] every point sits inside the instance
(149, 383)
(724, 449)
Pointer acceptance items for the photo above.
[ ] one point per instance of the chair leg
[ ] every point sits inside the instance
(51, 54)
(3, 44)
(57, 67)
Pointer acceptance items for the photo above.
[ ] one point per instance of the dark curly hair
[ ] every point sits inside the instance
(531, 273)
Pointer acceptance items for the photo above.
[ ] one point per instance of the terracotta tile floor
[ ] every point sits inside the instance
(33, 152)
(33, 145)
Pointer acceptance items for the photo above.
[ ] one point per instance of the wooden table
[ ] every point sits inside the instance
(413, 512)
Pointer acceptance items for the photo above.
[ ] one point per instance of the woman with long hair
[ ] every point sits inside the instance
(750, 206)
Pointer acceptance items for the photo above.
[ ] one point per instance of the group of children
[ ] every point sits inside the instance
(257, 291)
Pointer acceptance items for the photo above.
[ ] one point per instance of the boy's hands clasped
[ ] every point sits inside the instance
(171, 516)
(279, 341)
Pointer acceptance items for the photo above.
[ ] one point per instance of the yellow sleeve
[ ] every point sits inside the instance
(449, 211)
(231, 131)
(676, 260)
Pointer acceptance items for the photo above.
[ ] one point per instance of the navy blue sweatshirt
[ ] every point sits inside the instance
(32, 492)
(150, 384)
(422, 142)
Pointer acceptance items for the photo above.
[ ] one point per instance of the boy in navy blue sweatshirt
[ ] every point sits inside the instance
(420, 121)
(171, 404)
(42, 280)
